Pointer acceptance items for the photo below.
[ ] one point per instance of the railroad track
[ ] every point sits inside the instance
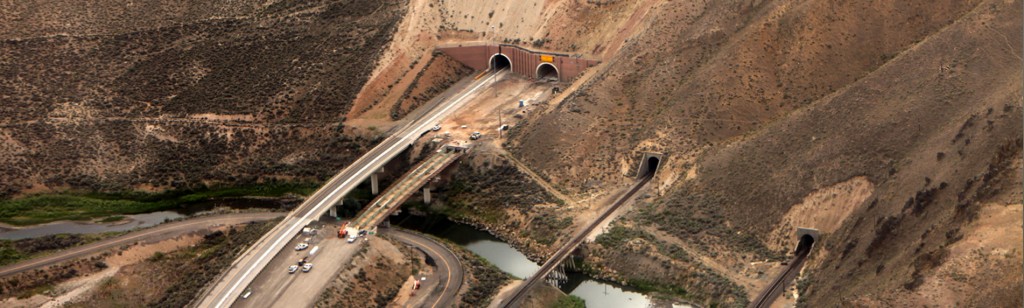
(768, 296)
(560, 255)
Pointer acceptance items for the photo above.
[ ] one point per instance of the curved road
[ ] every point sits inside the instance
(449, 268)
(157, 233)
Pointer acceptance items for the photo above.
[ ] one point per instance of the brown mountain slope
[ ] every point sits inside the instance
(912, 107)
(235, 99)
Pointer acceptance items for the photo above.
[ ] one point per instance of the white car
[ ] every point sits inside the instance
(307, 267)
(301, 246)
(292, 269)
(352, 238)
(436, 128)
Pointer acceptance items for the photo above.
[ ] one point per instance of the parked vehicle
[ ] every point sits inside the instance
(352, 238)
(307, 267)
(301, 246)
(474, 136)
(292, 269)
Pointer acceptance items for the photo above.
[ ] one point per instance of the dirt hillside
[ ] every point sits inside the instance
(910, 112)
(227, 92)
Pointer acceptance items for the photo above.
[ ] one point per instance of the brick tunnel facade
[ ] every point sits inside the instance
(528, 63)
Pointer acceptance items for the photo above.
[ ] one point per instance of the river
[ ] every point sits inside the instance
(597, 293)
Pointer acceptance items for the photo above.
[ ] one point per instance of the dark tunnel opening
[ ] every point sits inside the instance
(500, 62)
(652, 165)
(546, 71)
(806, 242)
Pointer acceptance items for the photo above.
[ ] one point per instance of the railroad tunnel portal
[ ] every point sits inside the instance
(807, 237)
(649, 164)
(500, 61)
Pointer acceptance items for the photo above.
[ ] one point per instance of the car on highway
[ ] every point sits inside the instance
(301, 246)
(307, 267)
(292, 269)
(352, 238)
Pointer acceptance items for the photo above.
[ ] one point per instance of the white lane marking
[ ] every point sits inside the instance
(316, 208)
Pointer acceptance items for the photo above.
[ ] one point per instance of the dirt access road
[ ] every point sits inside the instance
(154, 234)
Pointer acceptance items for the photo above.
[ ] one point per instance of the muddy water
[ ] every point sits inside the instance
(597, 294)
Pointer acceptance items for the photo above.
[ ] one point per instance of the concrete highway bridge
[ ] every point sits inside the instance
(227, 288)
(409, 183)
(497, 60)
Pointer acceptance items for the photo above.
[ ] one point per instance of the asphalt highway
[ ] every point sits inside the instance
(227, 288)
(157, 233)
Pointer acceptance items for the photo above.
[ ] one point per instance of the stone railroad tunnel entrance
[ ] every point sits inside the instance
(500, 62)
(547, 71)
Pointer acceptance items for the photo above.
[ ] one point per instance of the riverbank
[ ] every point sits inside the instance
(85, 206)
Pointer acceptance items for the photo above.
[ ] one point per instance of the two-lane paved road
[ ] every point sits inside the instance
(230, 285)
(158, 233)
(449, 269)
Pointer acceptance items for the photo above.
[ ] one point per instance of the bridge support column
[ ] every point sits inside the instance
(374, 184)
(334, 211)
(426, 195)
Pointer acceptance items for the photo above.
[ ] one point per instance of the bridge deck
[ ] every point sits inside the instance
(393, 197)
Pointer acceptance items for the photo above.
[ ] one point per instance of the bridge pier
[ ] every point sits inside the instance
(333, 211)
(374, 184)
(426, 195)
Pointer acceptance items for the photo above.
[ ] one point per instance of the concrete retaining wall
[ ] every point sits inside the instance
(524, 61)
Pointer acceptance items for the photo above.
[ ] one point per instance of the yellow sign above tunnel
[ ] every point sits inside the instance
(547, 59)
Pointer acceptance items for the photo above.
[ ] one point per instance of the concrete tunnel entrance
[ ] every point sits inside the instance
(807, 237)
(806, 242)
(547, 71)
(652, 164)
(649, 164)
(500, 62)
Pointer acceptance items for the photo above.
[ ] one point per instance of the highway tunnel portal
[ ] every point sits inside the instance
(547, 70)
(500, 62)
(537, 65)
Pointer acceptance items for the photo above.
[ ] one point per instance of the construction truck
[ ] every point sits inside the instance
(342, 232)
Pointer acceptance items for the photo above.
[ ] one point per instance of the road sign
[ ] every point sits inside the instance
(546, 58)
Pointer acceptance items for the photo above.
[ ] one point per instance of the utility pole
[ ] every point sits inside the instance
(500, 124)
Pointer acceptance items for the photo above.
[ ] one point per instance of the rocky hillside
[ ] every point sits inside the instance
(151, 95)
(908, 114)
